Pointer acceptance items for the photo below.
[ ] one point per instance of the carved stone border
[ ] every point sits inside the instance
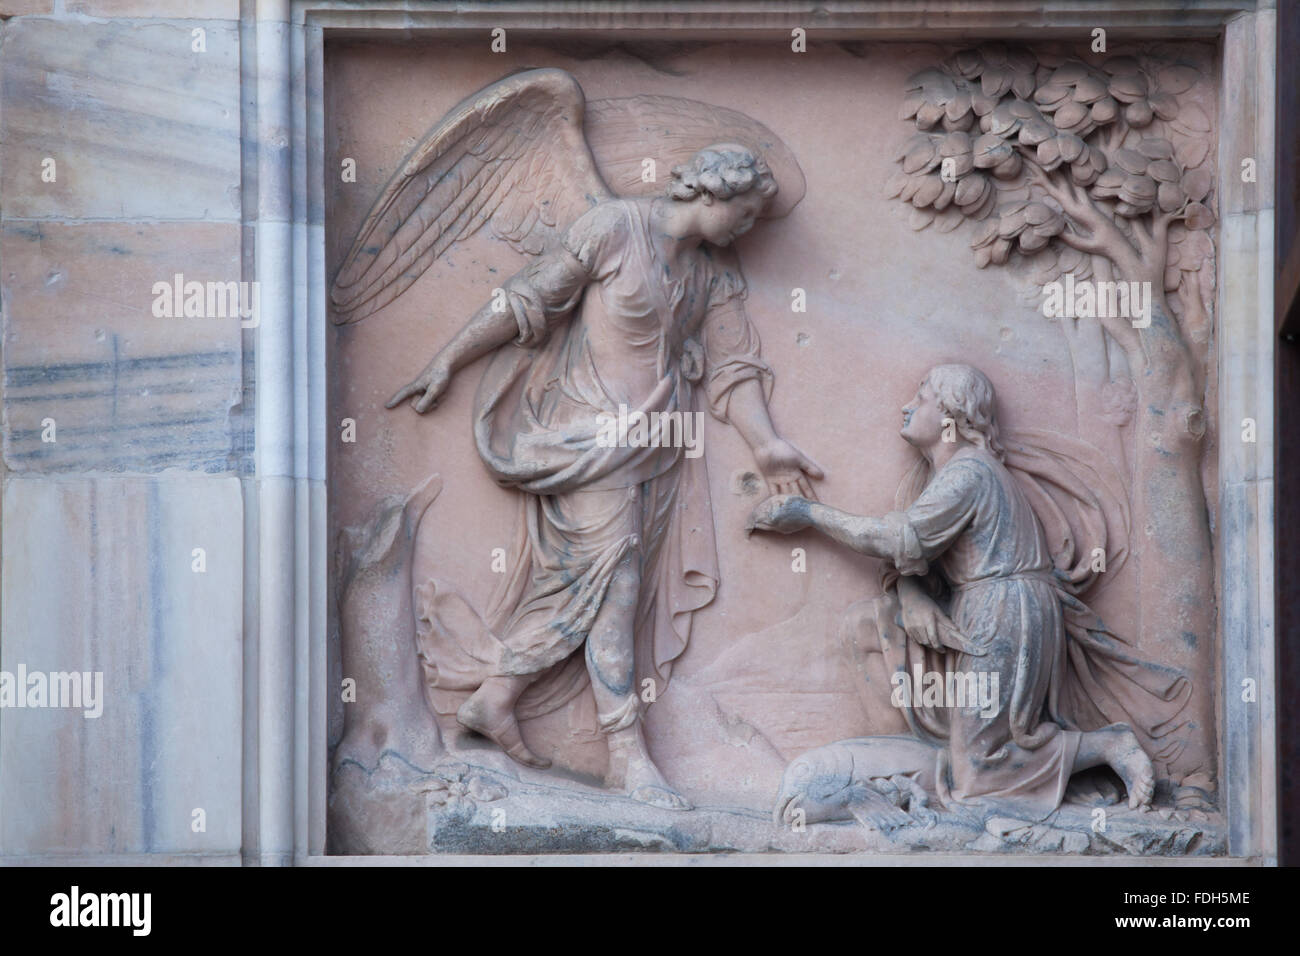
(285, 768)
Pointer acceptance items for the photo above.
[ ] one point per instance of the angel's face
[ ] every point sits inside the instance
(722, 221)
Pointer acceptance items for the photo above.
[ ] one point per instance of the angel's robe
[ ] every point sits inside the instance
(1060, 670)
(637, 336)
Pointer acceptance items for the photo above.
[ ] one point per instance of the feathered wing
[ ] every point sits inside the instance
(514, 156)
(624, 132)
(511, 156)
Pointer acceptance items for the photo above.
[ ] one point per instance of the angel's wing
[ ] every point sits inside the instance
(513, 156)
(625, 132)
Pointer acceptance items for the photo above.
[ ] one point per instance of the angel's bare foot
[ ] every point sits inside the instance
(632, 770)
(490, 711)
(1124, 755)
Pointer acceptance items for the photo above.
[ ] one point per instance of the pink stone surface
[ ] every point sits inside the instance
(764, 677)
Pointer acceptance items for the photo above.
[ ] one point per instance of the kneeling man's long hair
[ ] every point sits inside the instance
(966, 395)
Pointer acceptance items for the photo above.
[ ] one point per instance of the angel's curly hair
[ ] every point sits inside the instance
(722, 171)
(967, 395)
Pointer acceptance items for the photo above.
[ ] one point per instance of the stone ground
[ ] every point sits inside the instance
(490, 806)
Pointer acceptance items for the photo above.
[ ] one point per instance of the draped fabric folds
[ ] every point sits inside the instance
(1015, 544)
(602, 324)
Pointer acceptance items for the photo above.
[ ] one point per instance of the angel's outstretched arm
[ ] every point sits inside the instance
(521, 311)
(737, 383)
(786, 468)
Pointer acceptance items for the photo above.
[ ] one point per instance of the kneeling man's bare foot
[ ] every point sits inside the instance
(632, 770)
(1126, 757)
(484, 715)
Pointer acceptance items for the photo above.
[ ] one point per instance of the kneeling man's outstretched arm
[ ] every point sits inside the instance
(790, 513)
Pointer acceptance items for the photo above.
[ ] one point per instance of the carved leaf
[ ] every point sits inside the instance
(969, 63)
(930, 189)
(1023, 85)
(920, 218)
(1072, 260)
(935, 85)
(1193, 118)
(1071, 115)
(984, 207)
(910, 144)
(1105, 110)
(1131, 161)
(989, 150)
(1170, 197)
(1139, 114)
(1071, 147)
(1049, 154)
(1177, 79)
(1164, 104)
(894, 185)
(1163, 171)
(1128, 87)
(971, 190)
(957, 107)
(1071, 71)
(1192, 152)
(985, 234)
(910, 105)
(1197, 184)
(1121, 66)
(1051, 95)
(1047, 267)
(944, 199)
(1156, 147)
(1198, 216)
(949, 219)
(920, 156)
(996, 81)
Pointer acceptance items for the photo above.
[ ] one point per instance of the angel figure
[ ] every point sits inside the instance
(632, 302)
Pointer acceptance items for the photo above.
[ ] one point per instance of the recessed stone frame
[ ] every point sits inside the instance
(288, 630)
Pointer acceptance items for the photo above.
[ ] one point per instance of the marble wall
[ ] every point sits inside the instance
(125, 433)
(164, 513)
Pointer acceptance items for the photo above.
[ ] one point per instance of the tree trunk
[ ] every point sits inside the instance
(1175, 561)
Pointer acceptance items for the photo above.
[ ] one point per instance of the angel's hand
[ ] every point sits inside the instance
(429, 385)
(787, 469)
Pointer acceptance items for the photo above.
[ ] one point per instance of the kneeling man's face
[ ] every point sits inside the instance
(923, 418)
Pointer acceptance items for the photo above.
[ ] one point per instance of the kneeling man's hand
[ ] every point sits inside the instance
(783, 513)
(925, 622)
